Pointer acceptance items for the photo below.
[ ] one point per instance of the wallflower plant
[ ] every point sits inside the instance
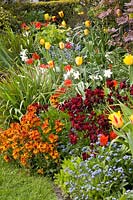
(34, 141)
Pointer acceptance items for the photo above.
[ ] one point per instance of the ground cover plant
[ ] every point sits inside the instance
(65, 109)
(102, 177)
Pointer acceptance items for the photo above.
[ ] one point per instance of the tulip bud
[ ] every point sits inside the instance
(63, 23)
(86, 31)
(47, 45)
(61, 14)
(42, 41)
(79, 60)
(87, 23)
(130, 15)
(46, 17)
(61, 45)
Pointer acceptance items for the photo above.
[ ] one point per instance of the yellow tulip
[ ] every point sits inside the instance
(87, 23)
(47, 45)
(81, 13)
(79, 60)
(61, 45)
(61, 14)
(105, 30)
(131, 119)
(116, 119)
(42, 41)
(46, 17)
(128, 60)
(86, 31)
(63, 23)
(130, 15)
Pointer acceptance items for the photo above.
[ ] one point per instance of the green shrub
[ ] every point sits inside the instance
(7, 19)
(26, 12)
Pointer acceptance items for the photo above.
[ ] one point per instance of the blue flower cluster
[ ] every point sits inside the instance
(105, 176)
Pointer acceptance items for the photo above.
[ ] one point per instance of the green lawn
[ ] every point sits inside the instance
(16, 184)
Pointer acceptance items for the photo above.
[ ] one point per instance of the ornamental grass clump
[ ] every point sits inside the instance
(33, 141)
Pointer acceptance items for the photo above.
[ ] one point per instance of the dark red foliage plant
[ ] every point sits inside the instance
(89, 116)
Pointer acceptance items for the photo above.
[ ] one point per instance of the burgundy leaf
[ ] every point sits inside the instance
(129, 37)
(122, 20)
(105, 14)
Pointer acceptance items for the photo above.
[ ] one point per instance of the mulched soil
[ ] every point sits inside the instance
(59, 194)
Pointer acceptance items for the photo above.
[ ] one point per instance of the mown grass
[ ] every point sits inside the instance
(16, 184)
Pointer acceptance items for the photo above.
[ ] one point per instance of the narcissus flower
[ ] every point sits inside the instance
(61, 45)
(47, 45)
(46, 17)
(79, 60)
(128, 60)
(107, 73)
(86, 31)
(116, 119)
(61, 14)
(87, 23)
(42, 41)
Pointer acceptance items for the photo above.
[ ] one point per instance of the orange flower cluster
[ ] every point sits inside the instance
(31, 137)
(54, 99)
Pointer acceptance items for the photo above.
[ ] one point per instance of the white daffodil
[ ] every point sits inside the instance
(107, 73)
(23, 55)
(76, 74)
(66, 76)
